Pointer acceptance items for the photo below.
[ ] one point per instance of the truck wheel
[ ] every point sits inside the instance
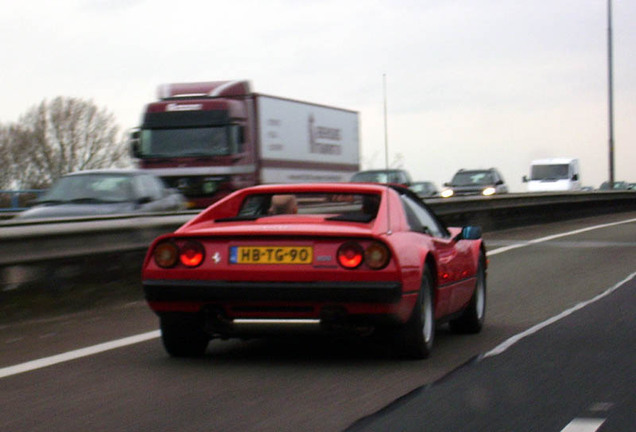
(416, 337)
(183, 335)
(472, 319)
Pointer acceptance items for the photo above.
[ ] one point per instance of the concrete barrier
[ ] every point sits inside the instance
(50, 253)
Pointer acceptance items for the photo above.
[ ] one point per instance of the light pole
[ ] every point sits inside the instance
(610, 94)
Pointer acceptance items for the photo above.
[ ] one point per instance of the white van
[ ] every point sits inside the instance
(553, 175)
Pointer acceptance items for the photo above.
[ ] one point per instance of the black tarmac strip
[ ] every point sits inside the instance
(578, 369)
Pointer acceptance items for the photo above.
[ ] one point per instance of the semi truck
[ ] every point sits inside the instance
(554, 175)
(208, 139)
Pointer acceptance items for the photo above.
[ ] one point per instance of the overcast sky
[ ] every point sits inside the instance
(470, 83)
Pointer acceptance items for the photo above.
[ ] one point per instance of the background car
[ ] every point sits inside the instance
(424, 189)
(354, 258)
(394, 176)
(483, 182)
(105, 192)
(618, 185)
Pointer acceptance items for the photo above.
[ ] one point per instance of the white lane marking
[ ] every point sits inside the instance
(95, 349)
(516, 338)
(72, 355)
(556, 236)
(601, 406)
(583, 425)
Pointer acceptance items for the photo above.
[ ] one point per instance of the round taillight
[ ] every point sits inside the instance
(350, 255)
(166, 255)
(191, 254)
(377, 256)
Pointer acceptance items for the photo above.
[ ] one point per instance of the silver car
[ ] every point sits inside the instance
(105, 192)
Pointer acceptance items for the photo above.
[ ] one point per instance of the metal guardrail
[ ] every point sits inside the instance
(32, 243)
(511, 210)
(25, 242)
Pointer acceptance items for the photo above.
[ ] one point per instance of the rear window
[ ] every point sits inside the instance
(332, 206)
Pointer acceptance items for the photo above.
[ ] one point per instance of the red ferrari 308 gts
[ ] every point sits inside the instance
(329, 257)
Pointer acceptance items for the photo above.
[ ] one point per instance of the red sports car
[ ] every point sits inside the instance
(328, 257)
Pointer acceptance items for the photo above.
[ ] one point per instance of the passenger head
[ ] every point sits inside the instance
(283, 204)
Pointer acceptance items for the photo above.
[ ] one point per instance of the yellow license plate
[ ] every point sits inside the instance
(271, 254)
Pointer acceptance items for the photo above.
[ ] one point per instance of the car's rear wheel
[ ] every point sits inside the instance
(183, 335)
(416, 337)
(472, 319)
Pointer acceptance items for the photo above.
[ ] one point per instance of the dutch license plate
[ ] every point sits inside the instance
(271, 254)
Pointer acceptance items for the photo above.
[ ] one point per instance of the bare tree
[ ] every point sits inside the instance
(15, 167)
(62, 136)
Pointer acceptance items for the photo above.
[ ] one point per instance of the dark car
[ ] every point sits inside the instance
(483, 182)
(394, 176)
(105, 192)
(618, 185)
(424, 189)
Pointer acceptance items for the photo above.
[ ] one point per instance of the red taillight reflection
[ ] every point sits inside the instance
(166, 255)
(350, 255)
(377, 256)
(191, 254)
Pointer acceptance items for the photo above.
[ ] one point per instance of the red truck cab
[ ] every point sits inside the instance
(197, 138)
(210, 139)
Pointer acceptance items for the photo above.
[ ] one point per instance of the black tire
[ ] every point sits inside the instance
(472, 319)
(416, 337)
(183, 335)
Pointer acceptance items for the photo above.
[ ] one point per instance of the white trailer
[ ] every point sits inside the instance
(303, 142)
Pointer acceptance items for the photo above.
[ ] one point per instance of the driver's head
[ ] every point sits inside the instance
(283, 204)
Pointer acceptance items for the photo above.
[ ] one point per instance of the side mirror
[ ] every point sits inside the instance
(575, 177)
(236, 140)
(524, 179)
(470, 232)
(241, 134)
(134, 142)
(144, 200)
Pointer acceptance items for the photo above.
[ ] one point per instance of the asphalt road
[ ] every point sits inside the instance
(314, 384)
(578, 371)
